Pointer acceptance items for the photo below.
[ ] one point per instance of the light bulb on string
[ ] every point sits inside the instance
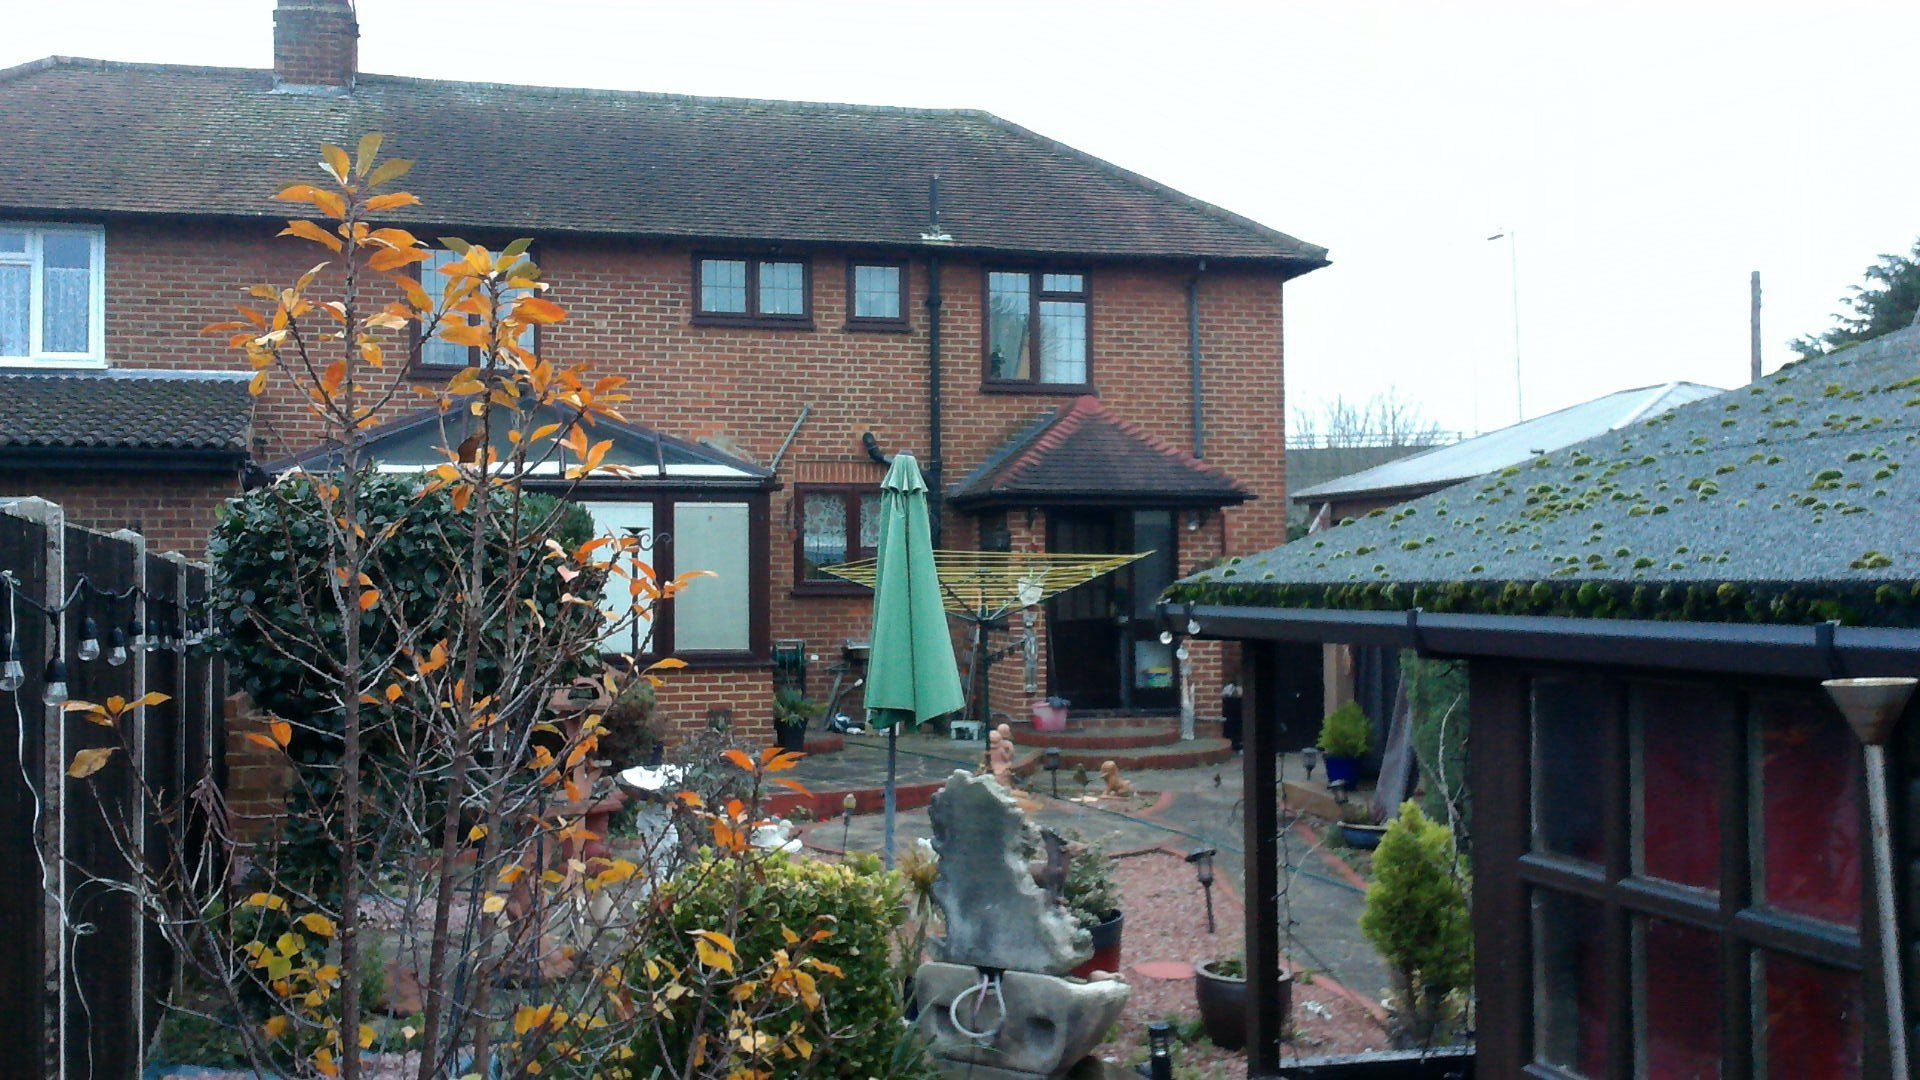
(1166, 637)
(55, 691)
(117, 648)
(89, 640)
(1193, 626)
(136, 635)
(13, 674)
(155, 640)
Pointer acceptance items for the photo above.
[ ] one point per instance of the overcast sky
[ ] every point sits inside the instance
(1648, 156)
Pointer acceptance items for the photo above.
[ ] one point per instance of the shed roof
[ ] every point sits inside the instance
(1442, 466)
(92, 136)
(1792, 500)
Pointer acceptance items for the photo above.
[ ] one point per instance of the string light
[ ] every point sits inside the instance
(13, 674)
(156, 638)
(117, 648)
(89, 640)
(55, 692)
(172, 624)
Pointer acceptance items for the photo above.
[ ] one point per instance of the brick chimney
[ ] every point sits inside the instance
(316, 45)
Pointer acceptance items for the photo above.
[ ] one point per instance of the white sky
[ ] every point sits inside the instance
(1649, 155)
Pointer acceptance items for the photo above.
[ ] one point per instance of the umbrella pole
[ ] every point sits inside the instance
(893, 744)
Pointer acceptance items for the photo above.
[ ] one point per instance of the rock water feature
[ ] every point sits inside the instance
(995, 1004)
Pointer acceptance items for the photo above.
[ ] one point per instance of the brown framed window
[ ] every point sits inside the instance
(724, 618)
(1693, 881)
(836, 525)
(877, 296)
(435, 355)
(746, 290)
(1037, 330)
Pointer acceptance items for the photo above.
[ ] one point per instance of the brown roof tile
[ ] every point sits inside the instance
(1086, 454)
(126, 411)
(89, 136)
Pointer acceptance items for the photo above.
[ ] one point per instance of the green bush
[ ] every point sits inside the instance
(1436, 692)
(629, 734)
(860, 1030)
(1417, 916)
(1089, 893)
(1345, 732)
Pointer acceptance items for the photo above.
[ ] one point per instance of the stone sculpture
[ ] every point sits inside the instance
(1000, 755)
(994, 1002)
(1117, 785)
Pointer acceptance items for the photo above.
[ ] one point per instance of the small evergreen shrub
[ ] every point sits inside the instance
(1089, 893)
(860, 1029)
(1417, 916)
(1344, 733)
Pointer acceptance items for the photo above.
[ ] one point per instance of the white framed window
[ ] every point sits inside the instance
(52, 294)
(445, 355)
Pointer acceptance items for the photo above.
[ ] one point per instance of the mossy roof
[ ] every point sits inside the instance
(1791, 500)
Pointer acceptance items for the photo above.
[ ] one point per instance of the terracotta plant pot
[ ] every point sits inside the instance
(1106, 947)
(1223, 1004)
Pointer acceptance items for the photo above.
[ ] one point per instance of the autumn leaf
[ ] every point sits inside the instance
(532, 309)
(274, 1027)
(88, 762)
(368, 599)
(282, 732)
(392, 201)
(307, 230)
(493, 905)
(265, 901)
(334, 160)
(366, 152)
(739, 760)
(317, 924)
(714, 949)
(390, 170)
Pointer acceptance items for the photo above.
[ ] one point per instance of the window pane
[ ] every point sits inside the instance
(1676, 1001)
(13, 242)
(1569, 722)
(1007, 315)
(15, 280)
(66, 288)
(823, 534)
(713, 613)
(869, 523)
(625, 519)
(1807, 768)
(876, 292)
(433, 351)
(1063, 341)
(1569, 980)
(723, 286)
(1678, 736)
(1810, 1019)
(782, 288)
(1062, 283)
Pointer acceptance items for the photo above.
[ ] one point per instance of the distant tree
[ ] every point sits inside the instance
(1381, 420)
(1888, 301)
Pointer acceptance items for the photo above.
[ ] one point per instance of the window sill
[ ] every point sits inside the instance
(727, 322)
(826, 589)
(52, 363)
(878, 326)
(989, 386)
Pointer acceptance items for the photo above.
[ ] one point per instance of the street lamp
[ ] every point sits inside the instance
(1512, 237)
(1202, 860)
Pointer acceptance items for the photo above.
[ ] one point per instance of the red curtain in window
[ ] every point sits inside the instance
(1813, 1020)
(1810, 808)
(1679, 1001)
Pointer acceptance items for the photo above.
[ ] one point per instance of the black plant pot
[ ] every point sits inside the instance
(1223, 1004)
(1106, 946)
(792, 737)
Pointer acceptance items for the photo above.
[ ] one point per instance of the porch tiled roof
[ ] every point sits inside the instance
(133, 411)
(96, 137)
(1085, 454)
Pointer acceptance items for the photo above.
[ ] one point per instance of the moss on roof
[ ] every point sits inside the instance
(1792, 500)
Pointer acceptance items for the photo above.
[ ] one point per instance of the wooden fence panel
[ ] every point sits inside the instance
(24, 1021)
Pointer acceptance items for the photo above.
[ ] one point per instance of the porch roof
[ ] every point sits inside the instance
(175, 419)
(1085, 455)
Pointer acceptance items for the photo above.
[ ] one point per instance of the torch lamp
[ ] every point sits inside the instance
(1051, 763)
(1872, 708)
(1202, 861)
(1160, 1050)
(846, 819)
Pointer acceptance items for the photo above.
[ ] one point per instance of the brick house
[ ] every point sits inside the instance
(795, 290)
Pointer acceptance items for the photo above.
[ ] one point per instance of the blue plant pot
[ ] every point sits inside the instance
(1342, 770)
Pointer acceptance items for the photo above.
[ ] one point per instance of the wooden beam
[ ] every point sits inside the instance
(1498, 774)
(1266, 1020)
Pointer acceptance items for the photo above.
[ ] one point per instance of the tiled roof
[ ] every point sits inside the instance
(133, 411)
(1086, 454)
(1791, 500)
(1441, 466)
(90, 136)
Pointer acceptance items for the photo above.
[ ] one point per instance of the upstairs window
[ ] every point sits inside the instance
(52, 293)
(877, 296)
(837, 525)
(439, 355)
(1036, 329)
(752, 292)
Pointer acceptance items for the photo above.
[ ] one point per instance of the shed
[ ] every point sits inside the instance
(1671, 857)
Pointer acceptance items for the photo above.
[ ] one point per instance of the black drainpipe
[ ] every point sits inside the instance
(936, 464)
(1193, 357)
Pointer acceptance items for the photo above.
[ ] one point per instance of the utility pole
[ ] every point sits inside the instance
(1512, 237)
(1753, 344)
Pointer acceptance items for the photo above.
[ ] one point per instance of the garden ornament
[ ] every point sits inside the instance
(1117, 785)
(1000, 755)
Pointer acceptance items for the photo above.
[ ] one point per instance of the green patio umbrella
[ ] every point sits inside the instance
(911, 674)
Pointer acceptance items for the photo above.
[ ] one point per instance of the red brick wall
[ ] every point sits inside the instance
(629, 314)
(174, 511)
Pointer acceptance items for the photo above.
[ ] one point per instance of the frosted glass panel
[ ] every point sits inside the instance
(15, 280)
(782, 288)
(66, 292)
(623, 519)
(723, 286)
(876, 292)
(713, 613)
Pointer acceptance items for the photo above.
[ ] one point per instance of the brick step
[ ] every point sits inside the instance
(1178, 755)
(1101, 738)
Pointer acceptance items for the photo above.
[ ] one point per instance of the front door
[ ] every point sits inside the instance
(1104, 649)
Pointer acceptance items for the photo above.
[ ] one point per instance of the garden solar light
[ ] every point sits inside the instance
(1160, 1050)
(1202, 860)
(13, 674)
(1311, 757)
(1052, 765)
(1872, 708)
(56, 688)
(117, 647)
(89, 640)
(846, 818)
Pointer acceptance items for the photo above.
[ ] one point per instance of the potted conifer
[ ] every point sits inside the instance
(1343, 741)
